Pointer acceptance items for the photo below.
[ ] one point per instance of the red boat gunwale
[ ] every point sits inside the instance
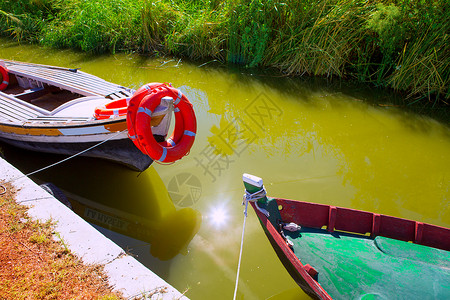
(348, 220)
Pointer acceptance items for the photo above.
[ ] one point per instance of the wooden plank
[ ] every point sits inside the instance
(59, 119)
(118, 95)
(17, 110)
(75, 86)
(73, 79)
(88, 82)
(114, 96)
(10, 117)
(9, 62)
(79, 78)
(15, 104)
(44, 71)
(14, 114)
(99, 87)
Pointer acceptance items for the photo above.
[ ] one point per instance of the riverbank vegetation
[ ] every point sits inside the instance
(400, 44)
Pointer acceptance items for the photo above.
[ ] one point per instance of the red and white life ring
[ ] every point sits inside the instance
(5, 78)
(113, 108)
(142, 104)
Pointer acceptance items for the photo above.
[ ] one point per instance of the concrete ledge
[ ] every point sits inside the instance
(125, 273)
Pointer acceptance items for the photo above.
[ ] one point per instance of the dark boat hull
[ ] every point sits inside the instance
(121, 151)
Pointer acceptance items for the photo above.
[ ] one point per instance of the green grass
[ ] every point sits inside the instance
(399, 44)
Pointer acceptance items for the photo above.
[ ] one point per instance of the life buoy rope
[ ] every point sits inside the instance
(5, 78)
(143, 102)
(113, 108)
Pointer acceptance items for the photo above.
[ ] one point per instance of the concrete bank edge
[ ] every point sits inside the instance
(124, 272)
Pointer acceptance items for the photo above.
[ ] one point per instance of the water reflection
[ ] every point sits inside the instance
(311, 140)
(106, 194)
(368, 155)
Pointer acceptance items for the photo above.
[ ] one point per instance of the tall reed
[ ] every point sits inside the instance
(320, 39)
(400, 44)
(95, 26)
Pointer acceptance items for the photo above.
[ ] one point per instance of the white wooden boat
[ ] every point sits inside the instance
(50, 109)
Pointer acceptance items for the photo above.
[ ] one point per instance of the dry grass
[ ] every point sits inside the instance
(33, 265)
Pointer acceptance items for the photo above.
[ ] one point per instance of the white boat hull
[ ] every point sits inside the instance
(50, 109)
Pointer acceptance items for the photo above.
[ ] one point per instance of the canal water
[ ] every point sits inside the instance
(310, 140)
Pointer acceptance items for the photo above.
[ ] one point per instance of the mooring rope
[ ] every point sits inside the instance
(247, 198)
(61, 161)
(240, 251)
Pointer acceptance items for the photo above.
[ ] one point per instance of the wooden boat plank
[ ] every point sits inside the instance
(55, 71)
(15, 104)
(78, 78)
(14, 114)
(9, 62)
(58, 119)
(18, 111)
(61, 118)
(74, 83)
(68, 73)
(118, 95)
(54, 82)
(13, 118)
(90, 84)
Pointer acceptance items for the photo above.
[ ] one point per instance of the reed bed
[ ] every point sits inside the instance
(399, 44)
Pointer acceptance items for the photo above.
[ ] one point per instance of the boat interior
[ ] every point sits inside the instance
(50, 100)
(53, 94)
(57, 92)
(42, 95)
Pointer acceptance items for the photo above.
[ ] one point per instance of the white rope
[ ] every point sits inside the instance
(240, 251)
(63, 160)
(254, 197)
(247, 198)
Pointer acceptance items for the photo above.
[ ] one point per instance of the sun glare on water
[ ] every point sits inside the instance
(218, 216)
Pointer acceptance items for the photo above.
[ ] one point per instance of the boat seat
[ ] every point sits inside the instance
(81, 107)
(31, 94)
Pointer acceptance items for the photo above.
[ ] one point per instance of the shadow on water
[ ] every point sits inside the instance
(306, 88)
(111, 196)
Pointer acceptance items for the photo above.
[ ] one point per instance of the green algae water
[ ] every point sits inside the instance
(308, 140)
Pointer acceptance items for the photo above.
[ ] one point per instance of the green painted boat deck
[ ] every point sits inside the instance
(352, 266)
